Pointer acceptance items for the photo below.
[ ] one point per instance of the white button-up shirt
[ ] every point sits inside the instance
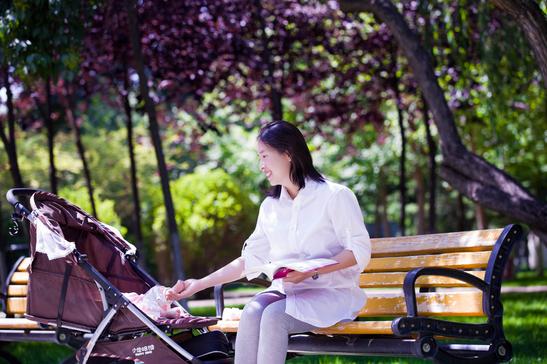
(321, 221)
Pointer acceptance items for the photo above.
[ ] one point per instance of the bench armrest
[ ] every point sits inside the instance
(403, 326)
(411, 277)
(219, 292)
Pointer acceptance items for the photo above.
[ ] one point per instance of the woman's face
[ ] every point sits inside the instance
(275, 166)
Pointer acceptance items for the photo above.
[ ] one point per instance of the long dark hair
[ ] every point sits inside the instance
(286, 138)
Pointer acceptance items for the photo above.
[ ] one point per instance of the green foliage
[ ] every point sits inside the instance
(42, 38)
(214, 215)
(105, 207)
(235, 152)
(492, 82)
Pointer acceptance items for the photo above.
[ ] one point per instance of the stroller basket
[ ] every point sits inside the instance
(80, 293)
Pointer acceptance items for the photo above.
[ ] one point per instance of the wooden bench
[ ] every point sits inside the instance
(15, 327)
(461, 275)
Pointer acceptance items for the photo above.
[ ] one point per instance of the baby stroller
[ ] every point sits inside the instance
(79, 269)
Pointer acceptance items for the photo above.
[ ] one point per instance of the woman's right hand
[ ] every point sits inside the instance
(189, 287)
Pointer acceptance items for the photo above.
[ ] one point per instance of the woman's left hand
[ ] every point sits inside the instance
(296, 277)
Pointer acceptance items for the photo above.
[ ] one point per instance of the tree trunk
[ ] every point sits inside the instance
(420, 200)
(432, 147)
(460, 213)
(174, 238)
(540, 259)
(480, 214)
(431, 152)
(80, 148)
(480, 217)
(275, 95)
(402, 158)
(50, 140)
(3, 261)
(473, 176)
(124, 96)
(533, 24)
(9, 141)
(382, 222)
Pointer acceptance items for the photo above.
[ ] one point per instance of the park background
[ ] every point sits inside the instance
(433, 113)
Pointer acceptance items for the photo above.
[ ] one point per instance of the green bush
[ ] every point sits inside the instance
(105, 207)
(214, 215)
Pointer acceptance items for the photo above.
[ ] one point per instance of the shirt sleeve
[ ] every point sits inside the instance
(349, 226)
(256, 249)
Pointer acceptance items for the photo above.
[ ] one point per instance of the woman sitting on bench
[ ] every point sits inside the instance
(304, 216)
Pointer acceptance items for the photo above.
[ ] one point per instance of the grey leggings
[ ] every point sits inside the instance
(263, 333)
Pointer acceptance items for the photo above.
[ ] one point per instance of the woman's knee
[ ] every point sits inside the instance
(252, 311)
(274, 316)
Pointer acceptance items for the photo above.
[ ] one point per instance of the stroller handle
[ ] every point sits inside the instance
(12, 198)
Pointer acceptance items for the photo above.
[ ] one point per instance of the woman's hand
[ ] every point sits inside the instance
(297, 277)
(183, 289)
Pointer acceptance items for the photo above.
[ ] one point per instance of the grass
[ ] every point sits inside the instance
(525, 326)
(526, 278)
(36, 352)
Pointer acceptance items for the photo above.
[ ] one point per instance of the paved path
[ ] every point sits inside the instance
(244, 298)
(524, 289)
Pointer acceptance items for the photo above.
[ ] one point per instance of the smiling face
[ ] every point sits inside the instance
(275, 165)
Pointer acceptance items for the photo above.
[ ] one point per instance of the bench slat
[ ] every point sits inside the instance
(16, 305)
(18, 290)
(18, 323)
(463, 303)
(466, 241)
(356, 327)
(450, 260)
(23, 266)
(19, 278)
(395, 279)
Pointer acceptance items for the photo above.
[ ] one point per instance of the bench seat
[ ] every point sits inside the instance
(393, 304)
(356, 327)
(18, 323)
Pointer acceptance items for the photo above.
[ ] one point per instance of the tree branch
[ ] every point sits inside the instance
(533, 24)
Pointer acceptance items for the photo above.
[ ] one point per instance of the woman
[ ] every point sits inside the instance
(304, 216)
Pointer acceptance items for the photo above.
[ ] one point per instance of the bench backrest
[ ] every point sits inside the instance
(16, 288)
(392, 258)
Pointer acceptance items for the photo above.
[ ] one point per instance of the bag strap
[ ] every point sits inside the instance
(64, 288)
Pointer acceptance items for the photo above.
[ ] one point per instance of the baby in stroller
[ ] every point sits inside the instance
(155, 303)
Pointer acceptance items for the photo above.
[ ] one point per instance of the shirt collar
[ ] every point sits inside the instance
(309, 187)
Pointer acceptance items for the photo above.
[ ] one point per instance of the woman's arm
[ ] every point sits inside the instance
(229, 273)
(345, 259)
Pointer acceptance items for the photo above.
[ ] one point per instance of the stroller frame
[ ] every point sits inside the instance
(115, 301)
(112, 298)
